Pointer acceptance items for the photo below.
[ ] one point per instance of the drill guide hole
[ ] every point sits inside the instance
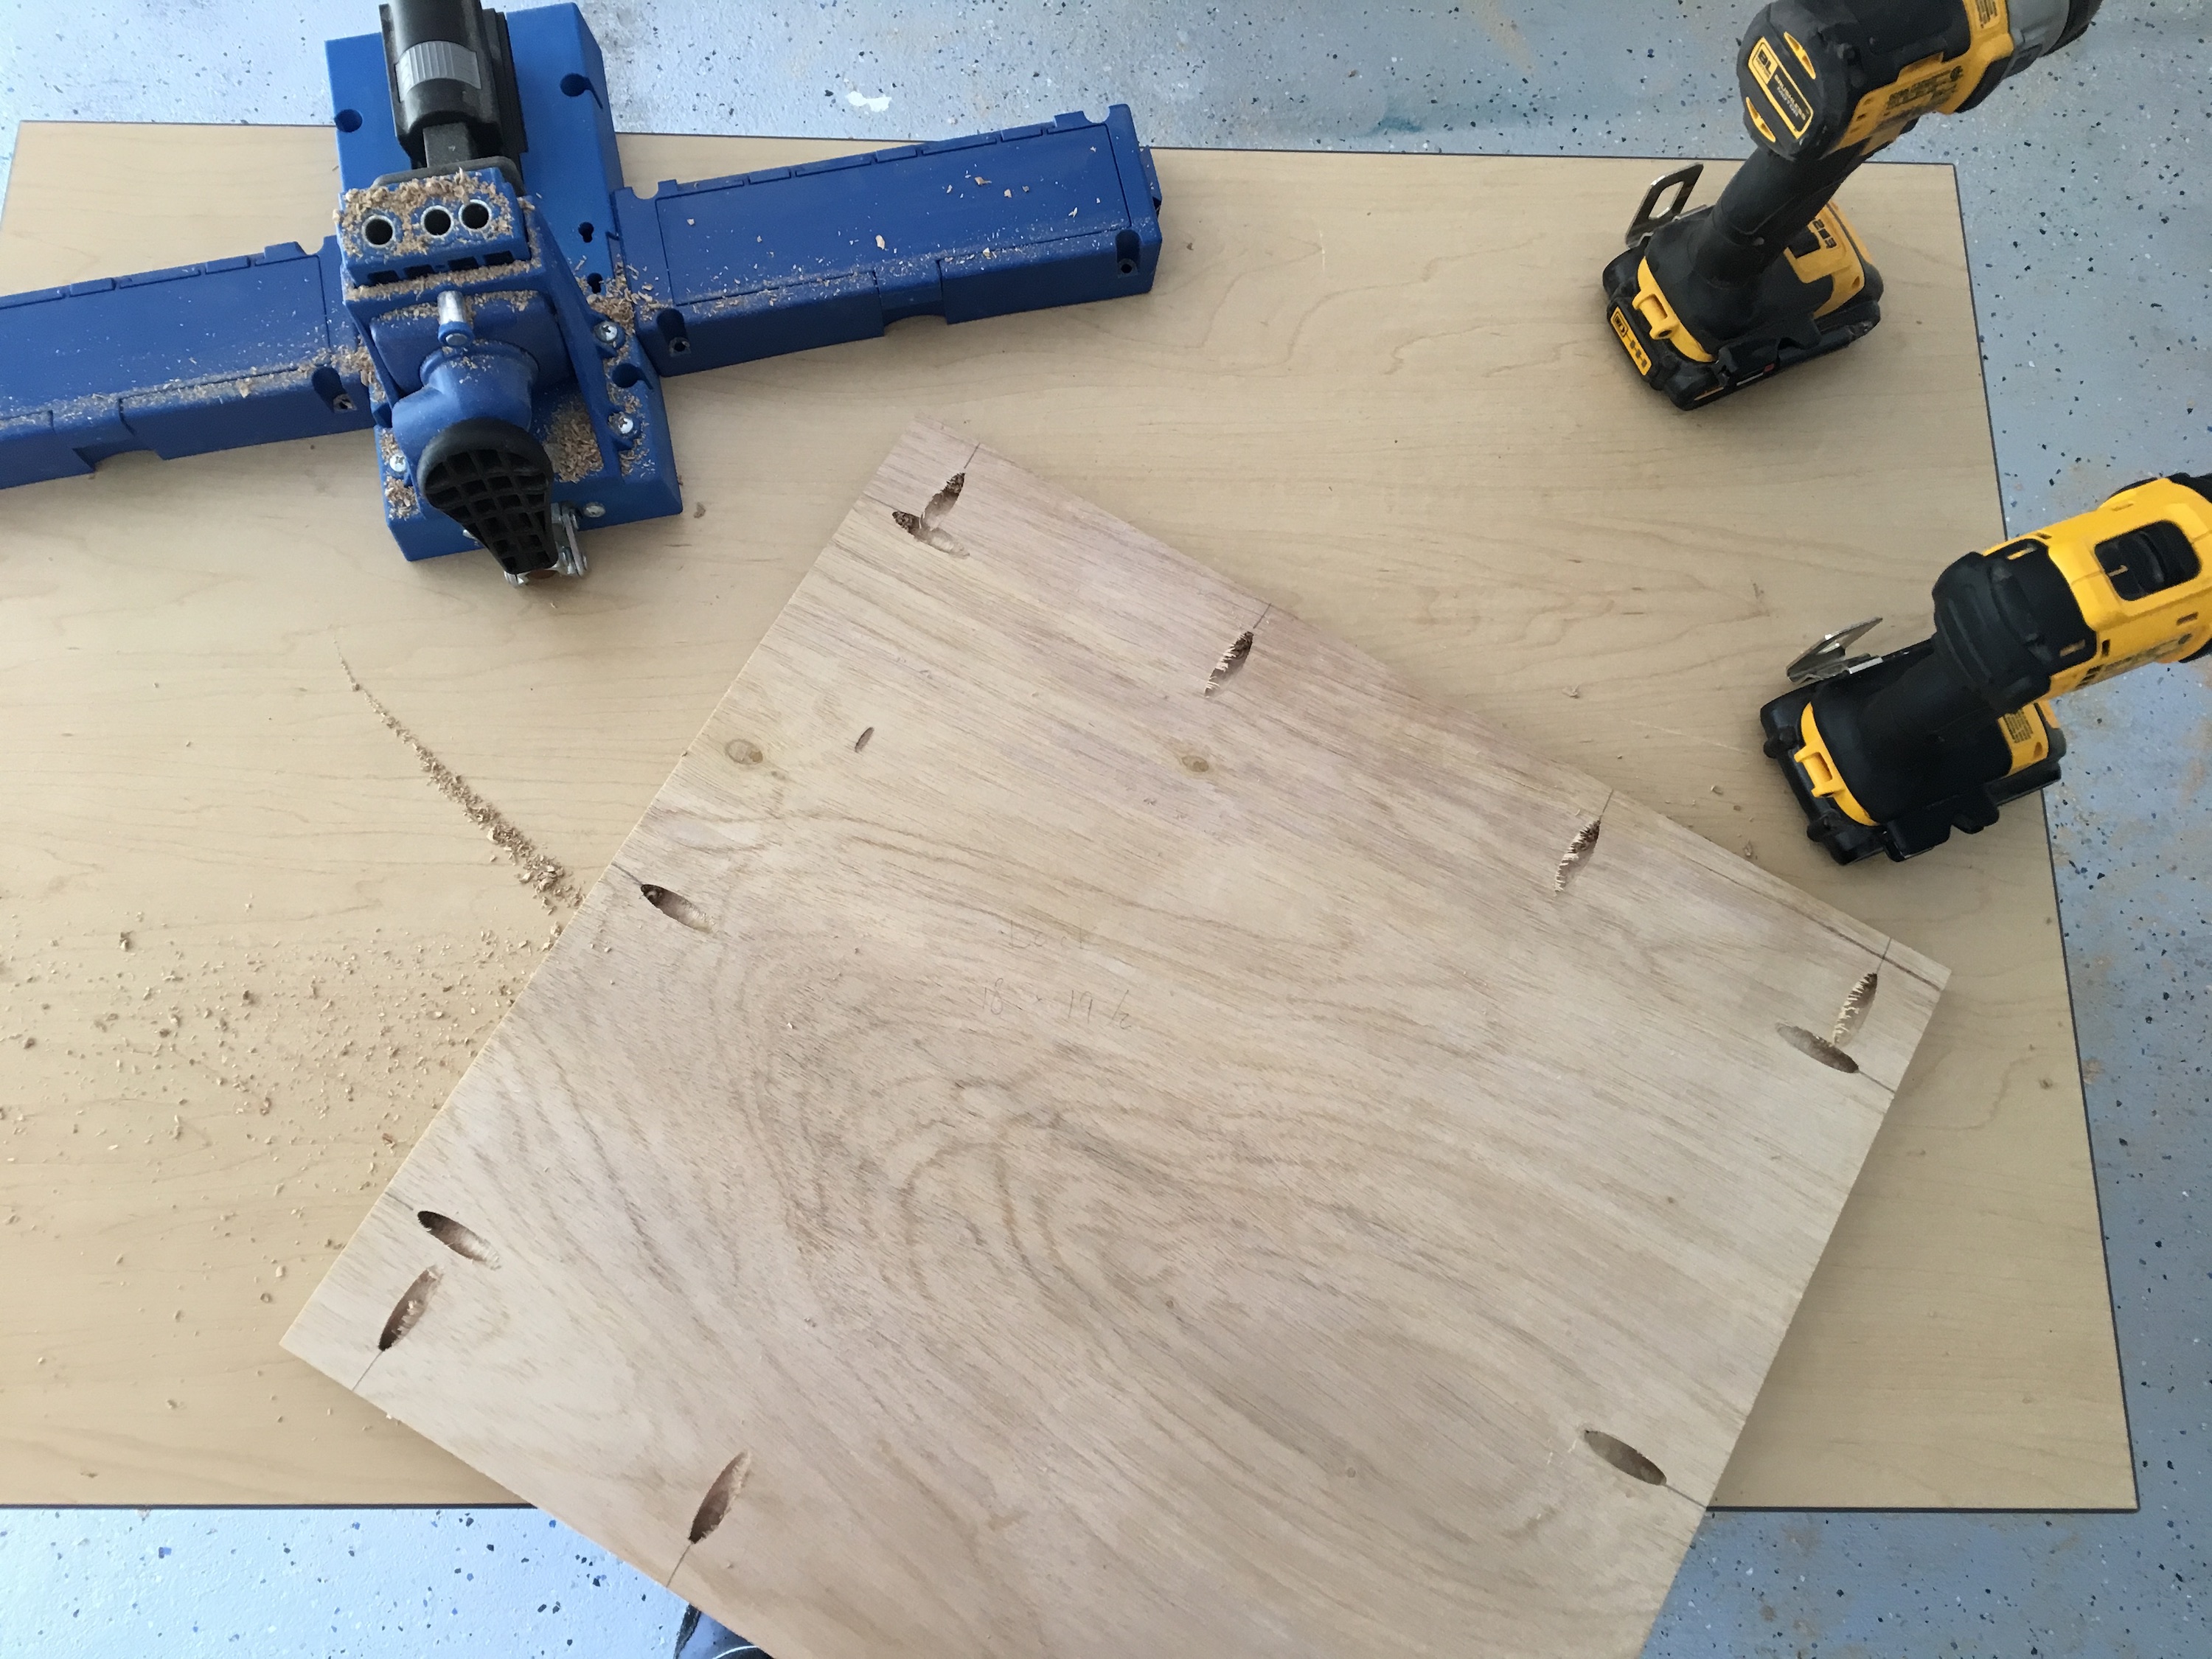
(476, 215)
(377, 230)
(436, 221)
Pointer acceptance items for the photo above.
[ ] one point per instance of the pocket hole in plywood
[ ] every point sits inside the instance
(460, 1240)
(1577, 855)
(941, 502)
(1233, 659)
(407, 1312)
(861, 741)
(675, 907)
(720, 1496)
(1853, 1013)
(1819, 1047)
(923, 526)
(1624, 1457)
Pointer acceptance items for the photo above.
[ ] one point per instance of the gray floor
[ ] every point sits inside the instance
(2092, 274)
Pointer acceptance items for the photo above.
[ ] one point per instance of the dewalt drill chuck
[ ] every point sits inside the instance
(1889, 754)
(1706, 301)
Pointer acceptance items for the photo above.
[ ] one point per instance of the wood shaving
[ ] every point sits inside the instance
(540, 872)
(571, 442)
(616, 300)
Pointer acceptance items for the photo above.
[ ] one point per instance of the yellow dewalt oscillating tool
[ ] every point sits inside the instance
(1891, 753)
(1707, 301)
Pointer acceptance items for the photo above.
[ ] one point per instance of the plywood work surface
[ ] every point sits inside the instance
(1087, 1118)
(1373, 391)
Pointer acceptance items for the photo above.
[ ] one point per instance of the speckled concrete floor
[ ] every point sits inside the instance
(2093, 272)
(319, 1584)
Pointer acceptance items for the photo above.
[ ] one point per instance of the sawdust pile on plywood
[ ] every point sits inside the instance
(540, 872)
(262, 1080)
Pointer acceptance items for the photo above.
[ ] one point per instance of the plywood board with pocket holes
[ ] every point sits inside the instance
(1088, 1118)
(255, 929)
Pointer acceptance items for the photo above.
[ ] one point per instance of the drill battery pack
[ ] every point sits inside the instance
(1956, 786)
(1818, 298)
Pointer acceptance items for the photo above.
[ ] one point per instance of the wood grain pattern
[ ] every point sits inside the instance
(1367, 388)
(1127, 1128)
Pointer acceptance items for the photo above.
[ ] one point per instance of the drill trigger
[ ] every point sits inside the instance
(1829, 656)
(1682, 181)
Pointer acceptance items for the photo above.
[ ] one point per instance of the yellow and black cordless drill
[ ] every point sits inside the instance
(1707, 301)
(1890, 754)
